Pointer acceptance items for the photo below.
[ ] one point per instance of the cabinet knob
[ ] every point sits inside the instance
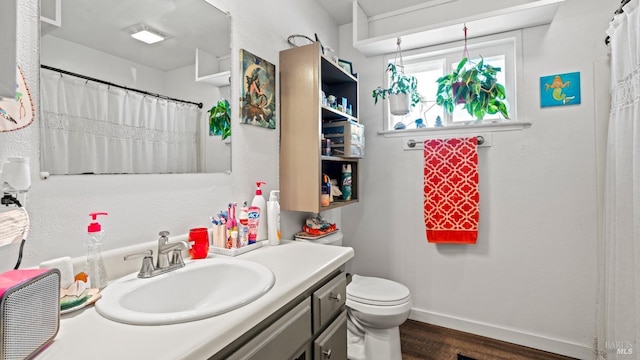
(337, 297)
(327, 354)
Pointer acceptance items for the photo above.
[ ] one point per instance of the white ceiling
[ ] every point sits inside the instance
(190, 24)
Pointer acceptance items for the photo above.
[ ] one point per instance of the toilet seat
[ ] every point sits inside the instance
(377, 291)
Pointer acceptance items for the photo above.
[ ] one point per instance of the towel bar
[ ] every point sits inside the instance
(411, 144)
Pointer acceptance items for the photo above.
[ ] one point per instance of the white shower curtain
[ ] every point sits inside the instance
(619, 283)
(88, 127)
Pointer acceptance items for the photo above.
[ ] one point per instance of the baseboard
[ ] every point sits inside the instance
(504, 334)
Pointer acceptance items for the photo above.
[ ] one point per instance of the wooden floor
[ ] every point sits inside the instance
(422, 341)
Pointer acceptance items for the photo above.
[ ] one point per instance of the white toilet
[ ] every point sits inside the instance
(376, 308)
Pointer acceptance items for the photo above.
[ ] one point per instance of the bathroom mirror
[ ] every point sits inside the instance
(93, 38)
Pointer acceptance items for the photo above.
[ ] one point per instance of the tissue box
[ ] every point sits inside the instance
(347, 138)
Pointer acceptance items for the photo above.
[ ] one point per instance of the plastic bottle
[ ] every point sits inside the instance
(273, 213)
(95, 265)
(243, 225)
(259, 202)
(346, 181)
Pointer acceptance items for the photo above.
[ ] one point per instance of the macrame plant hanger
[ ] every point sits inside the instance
(399, 54)
(465, 51)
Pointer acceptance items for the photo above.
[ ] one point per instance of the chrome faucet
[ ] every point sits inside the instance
(164, 262)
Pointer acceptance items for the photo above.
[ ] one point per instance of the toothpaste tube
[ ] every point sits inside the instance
(254, 219)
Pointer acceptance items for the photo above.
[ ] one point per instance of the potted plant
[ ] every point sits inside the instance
(475, 86)
(220, 119)
(402, 91)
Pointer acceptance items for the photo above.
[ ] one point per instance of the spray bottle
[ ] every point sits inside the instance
(346, 182)
(259, 202)
(95, 265)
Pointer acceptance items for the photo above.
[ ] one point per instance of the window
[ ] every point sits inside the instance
(428, 64)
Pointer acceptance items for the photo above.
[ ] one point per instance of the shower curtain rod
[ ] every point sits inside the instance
(199, 105)
(607, 40)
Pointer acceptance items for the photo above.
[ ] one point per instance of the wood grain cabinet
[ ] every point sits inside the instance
(305, 74)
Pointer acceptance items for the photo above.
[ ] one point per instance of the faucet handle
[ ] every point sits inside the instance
(147, 268)
(176, 258)
(163, 233)
(138, 255)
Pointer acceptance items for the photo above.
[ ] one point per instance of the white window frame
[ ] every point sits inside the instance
(508, 43)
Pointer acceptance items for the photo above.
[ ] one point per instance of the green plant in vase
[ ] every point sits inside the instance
(402, 91)
(475, 86)
(220, 119)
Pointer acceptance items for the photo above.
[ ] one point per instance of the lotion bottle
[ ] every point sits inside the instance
(95, 265)
(259, 202)
(273, 214)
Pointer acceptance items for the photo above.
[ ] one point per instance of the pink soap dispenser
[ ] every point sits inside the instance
(95, 265)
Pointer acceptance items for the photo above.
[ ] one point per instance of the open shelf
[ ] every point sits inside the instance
(220, 79)
(539, 12)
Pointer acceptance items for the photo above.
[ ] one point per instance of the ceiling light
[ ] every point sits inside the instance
(146, 34)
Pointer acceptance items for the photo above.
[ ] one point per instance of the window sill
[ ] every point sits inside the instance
(459, 129)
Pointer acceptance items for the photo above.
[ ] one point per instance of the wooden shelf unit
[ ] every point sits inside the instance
(304, 74)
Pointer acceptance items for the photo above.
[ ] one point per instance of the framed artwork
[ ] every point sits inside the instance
(560, 90)
(346, 65)
(257, 98)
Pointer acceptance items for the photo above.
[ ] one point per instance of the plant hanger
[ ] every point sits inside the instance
(465, 51)
(399, 54)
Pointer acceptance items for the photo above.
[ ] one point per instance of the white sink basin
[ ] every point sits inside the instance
(201, 289)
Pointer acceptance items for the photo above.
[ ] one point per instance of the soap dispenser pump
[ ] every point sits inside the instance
(95, 265)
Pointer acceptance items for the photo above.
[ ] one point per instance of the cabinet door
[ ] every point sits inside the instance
(332, 343)
(328, 301)
(287, 338)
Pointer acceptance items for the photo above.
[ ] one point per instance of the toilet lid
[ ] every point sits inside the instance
(377, 291)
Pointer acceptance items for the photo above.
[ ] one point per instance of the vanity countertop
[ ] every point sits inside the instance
(296, 265)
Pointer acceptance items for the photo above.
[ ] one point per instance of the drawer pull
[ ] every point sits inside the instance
(327, 354)
(337, 297)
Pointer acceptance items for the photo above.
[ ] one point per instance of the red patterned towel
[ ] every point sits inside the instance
(451, 197)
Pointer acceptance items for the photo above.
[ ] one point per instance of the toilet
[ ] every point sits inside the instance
(376, 308)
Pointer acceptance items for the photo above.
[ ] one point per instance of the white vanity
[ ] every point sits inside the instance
(301, 316)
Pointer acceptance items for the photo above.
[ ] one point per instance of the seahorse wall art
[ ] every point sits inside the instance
(560, 89)
(257, 100)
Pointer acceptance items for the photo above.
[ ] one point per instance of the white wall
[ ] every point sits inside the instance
(142, 205)
(531, 278)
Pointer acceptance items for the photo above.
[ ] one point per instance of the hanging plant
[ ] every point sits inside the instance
(220, 119)
(476, 87)
(402, 90)
(473, 85)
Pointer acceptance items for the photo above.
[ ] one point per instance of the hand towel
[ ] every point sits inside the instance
(14, 226)
(451, 195)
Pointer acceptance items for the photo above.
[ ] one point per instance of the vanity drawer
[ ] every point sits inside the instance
(284, 339)
(332, 343)
(328, 301)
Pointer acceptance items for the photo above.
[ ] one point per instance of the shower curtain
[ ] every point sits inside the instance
(88, 127)
(619, 282)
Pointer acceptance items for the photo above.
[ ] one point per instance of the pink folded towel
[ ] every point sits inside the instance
(451, 196)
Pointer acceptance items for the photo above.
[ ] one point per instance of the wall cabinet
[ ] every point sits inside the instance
(305, 75)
